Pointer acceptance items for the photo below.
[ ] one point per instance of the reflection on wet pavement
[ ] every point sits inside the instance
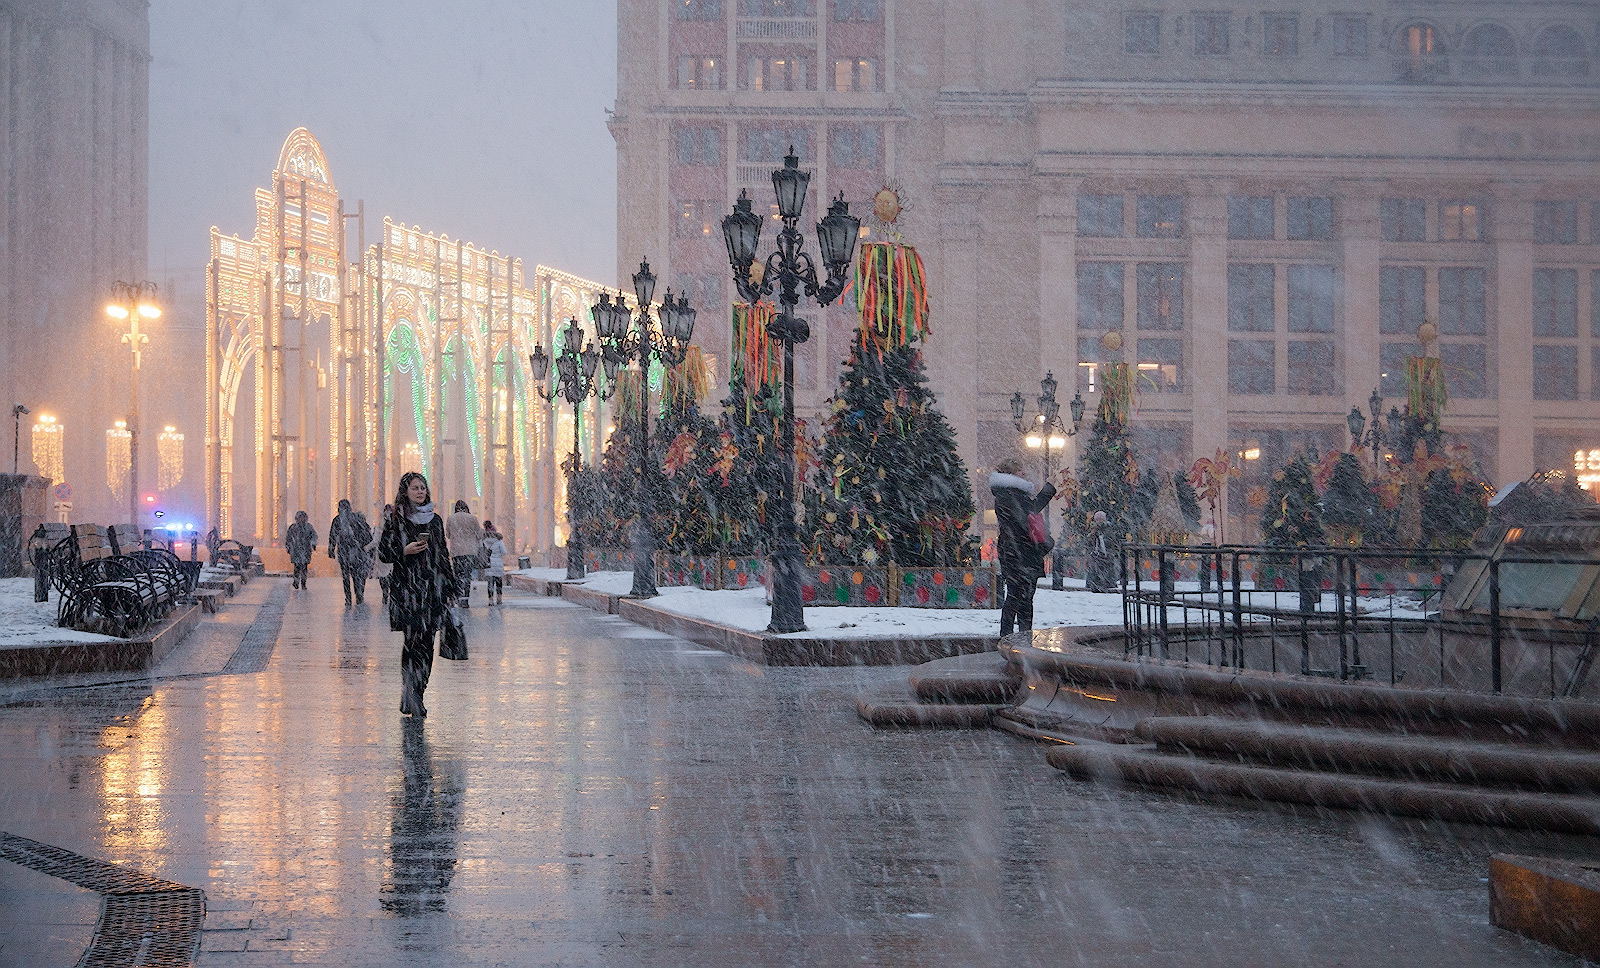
(584, 792)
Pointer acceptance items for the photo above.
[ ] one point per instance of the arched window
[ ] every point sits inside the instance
(1490, 50)
(1421, 51)
(1562, 53)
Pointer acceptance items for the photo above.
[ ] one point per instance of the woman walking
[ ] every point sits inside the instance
(1021, 554)
(465, 536)
(300, 542)
(381, 569)
(421, 585)
(495, 547)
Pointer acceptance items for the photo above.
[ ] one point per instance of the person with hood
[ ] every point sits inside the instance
(300, 542)
(466, 537)
(348, 537)
(381, 569)
(494, 548)
(1021, 556)
(1103, 552)
(421, 586)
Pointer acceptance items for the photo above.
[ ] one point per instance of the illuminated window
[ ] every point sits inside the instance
(1555, 223)
(1280, 35)
(1141, 33)
(1092, 353)
(1099, 295)
(1160, 295)
(1311, 218)
(1250, 298)
(1160, 365)
(1349, 36)
(1460, 222)
(1250, 217)
(700, 217)
(1252, 366)
(1586, 467)
(699, 74)
(1211, 33)
(1100, 215)
(1159, 216)
(855, 74)
(777, 74)
(1403, 219)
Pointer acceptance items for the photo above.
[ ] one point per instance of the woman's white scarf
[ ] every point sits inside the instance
(421, 515)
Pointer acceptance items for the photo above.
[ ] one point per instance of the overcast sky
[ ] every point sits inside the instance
(482, 119)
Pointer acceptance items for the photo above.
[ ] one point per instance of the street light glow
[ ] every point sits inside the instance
(147, 310)
(116, 311)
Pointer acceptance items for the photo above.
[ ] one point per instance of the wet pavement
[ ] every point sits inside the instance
(587, 792)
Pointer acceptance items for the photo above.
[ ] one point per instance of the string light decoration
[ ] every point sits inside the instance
(48, 449)
(410, 456)
(169, 449)
(119, 444)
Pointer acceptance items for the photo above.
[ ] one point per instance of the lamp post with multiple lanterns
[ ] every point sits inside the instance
(1046, 430)
(665, 339)
(1397, 431)
(791, 272)
(130, 303)
(575, 383)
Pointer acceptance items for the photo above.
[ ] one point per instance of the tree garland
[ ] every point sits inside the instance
(1425, 387)
(891, 296)
(1117, 397)
(687, 383)
(754, 352)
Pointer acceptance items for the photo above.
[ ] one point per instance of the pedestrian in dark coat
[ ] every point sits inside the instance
(1021, 558)
(1104, 549)
(421, 586)
(300, 542)
(348, 537)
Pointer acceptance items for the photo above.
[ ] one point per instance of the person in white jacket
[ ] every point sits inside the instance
(494, 547)
(464, 534)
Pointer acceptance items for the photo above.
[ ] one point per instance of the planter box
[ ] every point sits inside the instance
(748, 572)
(687, 570)
(845, 585)
(607, 559)
(908, 587)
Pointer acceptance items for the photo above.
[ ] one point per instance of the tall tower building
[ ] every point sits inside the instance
(74, 86)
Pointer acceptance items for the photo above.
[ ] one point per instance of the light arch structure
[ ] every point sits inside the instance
(419, 340)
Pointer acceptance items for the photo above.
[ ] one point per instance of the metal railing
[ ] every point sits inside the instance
(1368, 614)
(776, 28)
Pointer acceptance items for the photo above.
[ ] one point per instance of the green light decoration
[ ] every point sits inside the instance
(474, 441)
(406, 356)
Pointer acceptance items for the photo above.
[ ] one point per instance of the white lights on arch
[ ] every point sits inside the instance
(119, 446)
(48, 450)
(169, 451)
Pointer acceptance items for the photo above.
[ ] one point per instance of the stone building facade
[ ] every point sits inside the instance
(1257, 205)
(74, 88)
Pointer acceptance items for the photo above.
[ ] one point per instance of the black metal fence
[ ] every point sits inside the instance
(1524, 625)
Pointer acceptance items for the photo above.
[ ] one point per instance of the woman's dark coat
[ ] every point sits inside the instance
(1014, 500)
(422, 586)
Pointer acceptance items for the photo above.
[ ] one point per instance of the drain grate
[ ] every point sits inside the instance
(144, 920)
(255, 649)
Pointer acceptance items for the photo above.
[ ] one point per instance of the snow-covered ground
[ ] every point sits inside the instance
(748, 609)
(24, 621)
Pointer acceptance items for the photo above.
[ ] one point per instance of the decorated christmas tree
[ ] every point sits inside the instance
(891, 485)
(683, 447)
(1350, 510)
(1291, 517)
(1108, 479)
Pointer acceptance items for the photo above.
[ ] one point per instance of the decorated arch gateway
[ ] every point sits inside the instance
(412, 357)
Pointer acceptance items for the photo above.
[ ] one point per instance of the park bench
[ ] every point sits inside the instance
(230, 553)
(111, 593)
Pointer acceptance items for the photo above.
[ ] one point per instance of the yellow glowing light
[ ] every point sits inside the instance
(116, 311)
(1252, 453)
(1033, 440)
(48, 449)
(118, 459)
(149, 311)
(169, 451)
(1058, 441)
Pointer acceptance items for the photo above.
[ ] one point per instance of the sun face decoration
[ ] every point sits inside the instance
(888, 204)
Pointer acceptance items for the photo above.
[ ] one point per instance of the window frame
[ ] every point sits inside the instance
(1205, 40)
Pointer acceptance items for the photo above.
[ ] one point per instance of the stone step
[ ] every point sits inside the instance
(981, 679)
(892, 707)
(1407, 756)
(1146, 766)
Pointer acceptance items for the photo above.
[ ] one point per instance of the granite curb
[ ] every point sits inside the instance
(63, 658)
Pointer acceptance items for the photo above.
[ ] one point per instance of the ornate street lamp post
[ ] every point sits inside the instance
(575, 383)
(133, 301)
(667, 341)
(1045, 430)
(792, 271)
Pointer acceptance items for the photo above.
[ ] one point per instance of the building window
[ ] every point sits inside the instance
(699, 9)
(1160, 295)
(1466, 370)
(1311, 218)
(1311, 372)
(702, 289)
(1211, 33)
(1141, 33)
(1404, 219)
(1400, 294)
(768, 146)
(1091, 354)
(1555, 372)
(1555, 302)
(777, 74)
(698, 144)
(1349, 36)
(777, 8)
(1160, 365)
(1250, 299)
(854, 147)
(1252, 366)
(1250, 217)
(1099, 295)
(1594, 304)
(1561, 52)
(1460, 222)
(1160, 216)
(1100, 215)
(700, 73)
(1594, 373)
(1280, 35)
(855, 74)
(1490, 50)
(1555, 223)
(1311, 299)
(1392, 368)
(699, 217)
(1462, 302)
(856, 11)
